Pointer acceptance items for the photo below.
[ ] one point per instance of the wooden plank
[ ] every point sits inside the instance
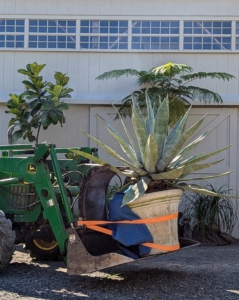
(8, 71)
(74, 7)
(83, 71)
(167, 8)
(72, 69)
(20, 6)
(42, 7)
(20, 62)
(31, 7)
(221, 86)
(93, 71)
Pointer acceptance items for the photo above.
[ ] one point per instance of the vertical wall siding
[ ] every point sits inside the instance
(123, 7)
(84, 67)
(77, 117)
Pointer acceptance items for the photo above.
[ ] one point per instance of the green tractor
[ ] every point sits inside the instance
(38, 195)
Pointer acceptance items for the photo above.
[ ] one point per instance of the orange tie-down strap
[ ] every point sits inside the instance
(94, 226)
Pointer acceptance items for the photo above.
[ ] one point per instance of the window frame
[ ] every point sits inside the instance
(48, 34)
(151, 35)
(99, 34)
(130, 20)
(210, 35)
(14, 33)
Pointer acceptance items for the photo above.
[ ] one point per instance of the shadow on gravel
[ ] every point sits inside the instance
(204, 273)
(50, 282)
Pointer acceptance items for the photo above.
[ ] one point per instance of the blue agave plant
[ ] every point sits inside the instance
(159, 156)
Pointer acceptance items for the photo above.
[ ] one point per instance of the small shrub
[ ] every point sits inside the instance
(209, 219)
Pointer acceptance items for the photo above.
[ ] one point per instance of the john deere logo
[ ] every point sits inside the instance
(31, 168)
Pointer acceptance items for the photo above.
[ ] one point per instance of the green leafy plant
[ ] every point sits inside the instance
(112, 189)
(211, 219)
(160, 156)
(170, 80)
(39, 105)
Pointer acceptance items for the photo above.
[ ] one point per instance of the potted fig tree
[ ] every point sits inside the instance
(157, 169)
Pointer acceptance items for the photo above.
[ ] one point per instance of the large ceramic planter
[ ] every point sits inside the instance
(160, 204)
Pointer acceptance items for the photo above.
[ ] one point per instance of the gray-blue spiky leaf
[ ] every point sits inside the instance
(140, 131)
(136, 191)
(150, 155)
(101, 162)
(168, 175)
(129, 137)
(126, 147)
(201, 190)
(150, 115)
(161, 125)
(175, 148)
(113, 153)
(197, 167)
(176, 131)
(205, 177)
(200, 157)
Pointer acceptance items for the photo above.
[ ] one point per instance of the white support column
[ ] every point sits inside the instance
(129, 35)
(78, 35)
(26, 34)
(181, 35)
(233, 36)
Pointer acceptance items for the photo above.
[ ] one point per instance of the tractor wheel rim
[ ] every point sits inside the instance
(43, 245)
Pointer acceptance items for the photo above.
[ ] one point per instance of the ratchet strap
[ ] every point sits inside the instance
(94, 225)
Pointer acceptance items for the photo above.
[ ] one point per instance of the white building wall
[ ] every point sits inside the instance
(123, 7)
(83, 66)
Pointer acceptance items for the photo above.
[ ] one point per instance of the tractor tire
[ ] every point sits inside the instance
(42, 250)
(7, 241)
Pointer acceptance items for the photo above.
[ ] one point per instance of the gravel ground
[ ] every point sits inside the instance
(200, 272)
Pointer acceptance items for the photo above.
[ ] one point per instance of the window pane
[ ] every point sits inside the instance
(32, 45)
(174, 30)
(10, 22)
(123, 23)
(175, 24)
(42, 29)
(10, 29)
(85, 23)
(135, 30)
(70, 45)
(188, 24)
(71, 23)
(188, 30)
(52, 29)
(145, 30)
(165, 24)
(165, 30)
(42, 23)
(137, 46)
(145, 24)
